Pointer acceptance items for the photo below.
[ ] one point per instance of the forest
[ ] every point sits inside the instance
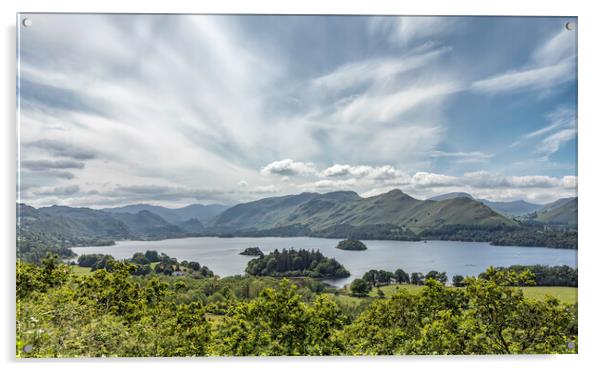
(110, 312)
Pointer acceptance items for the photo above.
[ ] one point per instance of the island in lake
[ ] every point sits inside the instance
(252, 251)
(351, 245)
(296, 263)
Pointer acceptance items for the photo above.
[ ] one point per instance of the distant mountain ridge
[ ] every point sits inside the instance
(203, 213)
(512, 208)
(508, 208)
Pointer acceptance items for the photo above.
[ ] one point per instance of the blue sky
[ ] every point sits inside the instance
(173, 110)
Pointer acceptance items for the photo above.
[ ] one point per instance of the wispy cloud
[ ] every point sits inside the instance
(184, 109)
(42, 165)
(561, 128)
(552, 64)
(553, 142)
(403, 31)
(537, 78)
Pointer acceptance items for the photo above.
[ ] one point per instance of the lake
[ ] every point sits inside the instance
(221, 255)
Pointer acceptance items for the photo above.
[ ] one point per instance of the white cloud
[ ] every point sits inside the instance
(553, 142)
(561, 128)
(463, 157)
(560, 46)
(331, 185)
(569, 182)
(386, 107)
(288, 167)
(551, 64)
(363, 171)
(374, 71)
(266, 189)
(538, 78)
(484, 179)
(403, 31)
(424, 179)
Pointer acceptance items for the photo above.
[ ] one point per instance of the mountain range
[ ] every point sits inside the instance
(203, 213)
(522, 208)
(328, 214)
(322, 211)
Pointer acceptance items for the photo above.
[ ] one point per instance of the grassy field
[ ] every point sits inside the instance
(564, 294)
(80, 271)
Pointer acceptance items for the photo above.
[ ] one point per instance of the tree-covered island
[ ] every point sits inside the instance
(292, 263)
(351, 245)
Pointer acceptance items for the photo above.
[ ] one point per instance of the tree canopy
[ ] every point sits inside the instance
(296, 263)
(112, 313)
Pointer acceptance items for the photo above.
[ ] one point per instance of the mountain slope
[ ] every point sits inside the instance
(70, 221)
(512, 208)
(448, 196)
(146, 223)
(84, 224)
(165, 213)
(563, 211)
(320, 211)
(508, 208)
(202, 213)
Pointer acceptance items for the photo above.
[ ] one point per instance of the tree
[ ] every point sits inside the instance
(437, 276)
(279, 323)
(195, 266)
(110, 313)
(384, 277)
(140, 258)
(458, 281)
(88, 260)
(296, 263)
(104, 262)
(417, 278)
(371, 277)
(152, 256)
(401, 276)
(142, 270)
(488, 317)
(360, 287)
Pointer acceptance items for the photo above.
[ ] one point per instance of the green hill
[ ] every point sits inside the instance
(73, 222)
(321, 211)
(508, 208)
(563, 211)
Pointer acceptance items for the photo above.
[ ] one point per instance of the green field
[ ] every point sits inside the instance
(80, 271)
(566, 295)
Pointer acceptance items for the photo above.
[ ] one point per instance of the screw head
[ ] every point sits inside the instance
(570, 26)
(27, 22)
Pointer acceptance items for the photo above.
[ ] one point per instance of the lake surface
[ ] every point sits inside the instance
(221, 255)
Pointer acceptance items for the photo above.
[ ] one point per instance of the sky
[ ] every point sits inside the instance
(180, 109)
